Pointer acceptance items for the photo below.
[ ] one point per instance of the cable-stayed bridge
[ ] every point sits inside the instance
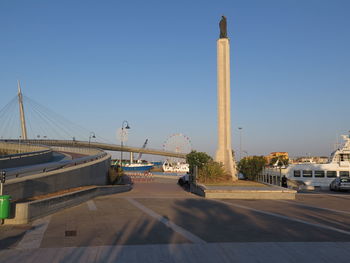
(39, 122)
(33, 164)
(102, 146)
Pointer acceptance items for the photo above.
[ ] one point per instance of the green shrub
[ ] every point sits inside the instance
(251, 166)
(198, 159)
(213, 172)
(115, 175)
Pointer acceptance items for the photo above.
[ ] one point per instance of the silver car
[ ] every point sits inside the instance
(340, 183)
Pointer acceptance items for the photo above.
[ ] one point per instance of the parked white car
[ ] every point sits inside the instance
(340, 183)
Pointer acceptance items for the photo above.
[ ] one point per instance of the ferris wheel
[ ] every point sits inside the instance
(178, 143)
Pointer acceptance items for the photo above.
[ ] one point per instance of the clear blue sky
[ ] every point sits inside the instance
(153, 63)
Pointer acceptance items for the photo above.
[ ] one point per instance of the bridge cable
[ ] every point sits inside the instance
(8, 114)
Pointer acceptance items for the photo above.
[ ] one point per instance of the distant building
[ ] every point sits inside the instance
(311, 159)
(321, 159)
(273, 155)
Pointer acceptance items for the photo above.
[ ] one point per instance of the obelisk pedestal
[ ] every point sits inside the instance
(224, 151)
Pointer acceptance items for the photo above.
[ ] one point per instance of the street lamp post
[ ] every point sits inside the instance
(92, 135)
(19, 144)
(127, 127)
(240, 142)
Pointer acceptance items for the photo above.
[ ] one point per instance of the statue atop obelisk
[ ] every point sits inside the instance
(224, 151)
(223, 27)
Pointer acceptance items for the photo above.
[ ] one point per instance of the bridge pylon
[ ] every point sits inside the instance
(21, 113)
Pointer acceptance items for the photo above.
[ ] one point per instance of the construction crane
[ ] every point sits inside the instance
(140, 154)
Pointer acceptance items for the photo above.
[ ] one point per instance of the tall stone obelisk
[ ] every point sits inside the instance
(224, 151)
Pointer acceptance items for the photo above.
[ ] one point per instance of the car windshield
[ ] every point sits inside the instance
(345, 180)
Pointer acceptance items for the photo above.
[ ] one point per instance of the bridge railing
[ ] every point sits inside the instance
(20, 147)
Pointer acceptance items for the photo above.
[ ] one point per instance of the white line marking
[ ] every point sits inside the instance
(316, 207)
(287, 217)
(168, 223)
(91, 204)
(33, 237)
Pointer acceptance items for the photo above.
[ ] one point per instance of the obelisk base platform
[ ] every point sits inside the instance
(225, 158)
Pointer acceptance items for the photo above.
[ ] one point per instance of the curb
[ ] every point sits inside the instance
(23, 213)
(276, 193)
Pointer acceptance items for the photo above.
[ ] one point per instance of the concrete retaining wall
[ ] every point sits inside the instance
(90, 173)
(35, 158)
(29, 154)
(23, 213)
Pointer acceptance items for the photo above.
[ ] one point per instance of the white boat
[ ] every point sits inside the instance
(138, 166)
(177, 167)
(319, 174)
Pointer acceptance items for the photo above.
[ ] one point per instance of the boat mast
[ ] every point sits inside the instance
(21, 112)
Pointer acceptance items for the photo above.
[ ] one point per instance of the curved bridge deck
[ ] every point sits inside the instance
(103, 146)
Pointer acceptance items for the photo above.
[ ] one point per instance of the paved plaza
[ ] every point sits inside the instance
(160, 222)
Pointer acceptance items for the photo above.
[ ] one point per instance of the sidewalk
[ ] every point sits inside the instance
(160, 222)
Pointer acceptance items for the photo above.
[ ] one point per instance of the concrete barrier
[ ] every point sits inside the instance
(90, 173)
(24, 212)
(23, 154)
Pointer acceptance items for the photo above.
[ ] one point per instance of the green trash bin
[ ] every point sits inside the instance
(4, 206)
